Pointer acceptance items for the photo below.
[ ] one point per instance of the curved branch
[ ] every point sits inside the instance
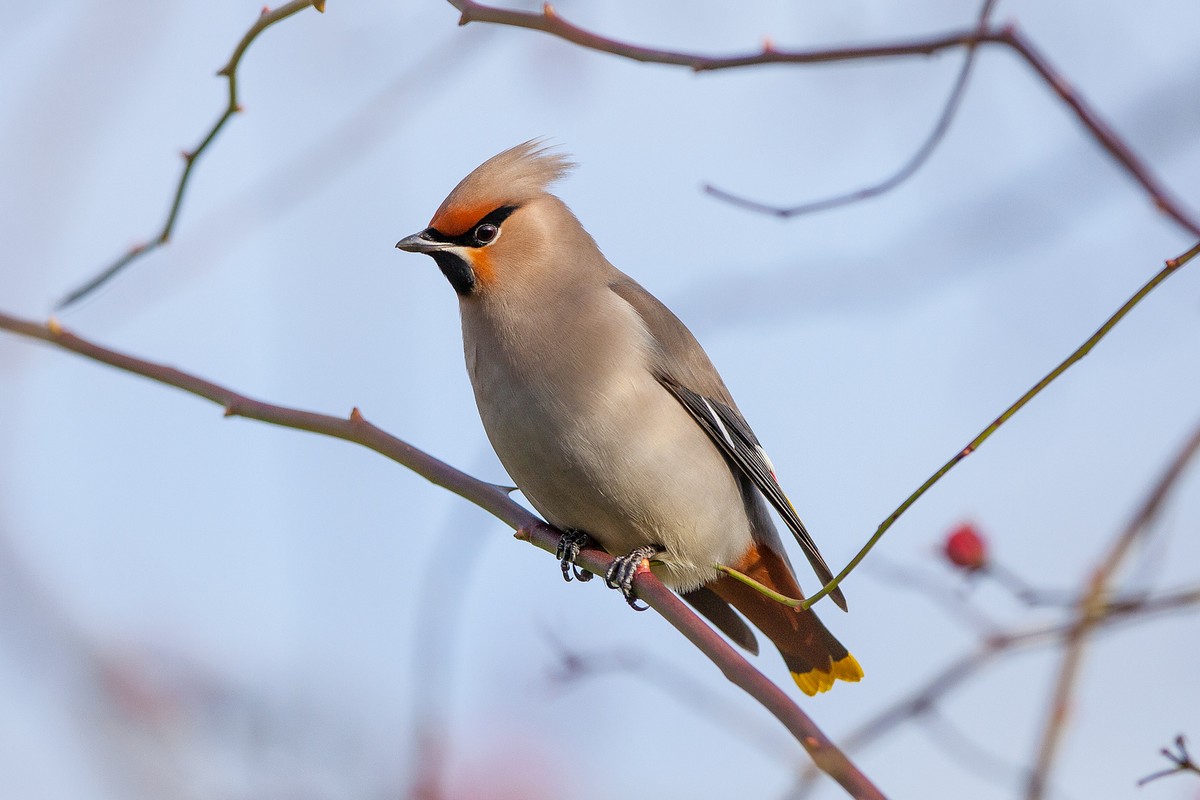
(1006, 36)
(495, 500)
(549, 21)
(265, 20)
(1169, 268)
(906, 171)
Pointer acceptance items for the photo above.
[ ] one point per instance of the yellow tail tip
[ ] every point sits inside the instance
(816, 681)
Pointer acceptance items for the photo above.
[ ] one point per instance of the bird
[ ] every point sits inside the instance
(610, 417)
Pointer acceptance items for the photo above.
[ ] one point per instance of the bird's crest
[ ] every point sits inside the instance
(509, 178)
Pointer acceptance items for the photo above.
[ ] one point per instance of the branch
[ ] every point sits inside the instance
(495, 500)
(736, 669)
(1093, 609)
(265, 20)
(940, 684)
(1182, 760)
(1007, 36)
(906, 171)
(1169, 268)
(992, 647)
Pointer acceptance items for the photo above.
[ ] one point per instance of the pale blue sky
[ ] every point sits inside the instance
(268, 582)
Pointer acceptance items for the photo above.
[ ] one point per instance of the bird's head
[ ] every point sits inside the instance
(500, 225)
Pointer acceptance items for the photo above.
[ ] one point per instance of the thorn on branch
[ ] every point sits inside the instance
(265, 10)
(319, 5)
(231, 409)
(768, 47)
(238, 108)
(548, 11)
(1177, 262)
(54, 326)
(356, 416)
(188, 155)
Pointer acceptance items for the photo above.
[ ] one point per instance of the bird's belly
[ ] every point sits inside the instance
(622, 461)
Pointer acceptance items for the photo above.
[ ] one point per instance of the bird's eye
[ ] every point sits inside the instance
(486, 233)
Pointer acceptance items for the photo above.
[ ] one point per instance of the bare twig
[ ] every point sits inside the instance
(1181, 759)
(906, 171)
(496, 501)
(1007, 36)
(265, 20)
(1169, 268)
(1092, 609)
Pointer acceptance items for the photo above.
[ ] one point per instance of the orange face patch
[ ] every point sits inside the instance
(481, 264)
(457, 220)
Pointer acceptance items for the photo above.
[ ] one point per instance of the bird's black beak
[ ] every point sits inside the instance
(421, 243)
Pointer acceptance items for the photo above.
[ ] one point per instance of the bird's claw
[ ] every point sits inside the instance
(569, 545)
(620, 575)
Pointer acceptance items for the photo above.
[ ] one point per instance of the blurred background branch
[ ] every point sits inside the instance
(1179, 757)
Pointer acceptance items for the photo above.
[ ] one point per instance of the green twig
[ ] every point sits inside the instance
(1168, 269)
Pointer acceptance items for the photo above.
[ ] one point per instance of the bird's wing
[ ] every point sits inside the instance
(686, 372)
(733, 437)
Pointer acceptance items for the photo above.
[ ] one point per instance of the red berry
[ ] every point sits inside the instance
(966, 548)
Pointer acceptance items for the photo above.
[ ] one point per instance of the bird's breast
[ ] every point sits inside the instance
(583, 427)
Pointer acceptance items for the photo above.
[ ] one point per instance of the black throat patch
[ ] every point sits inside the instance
(457, 271)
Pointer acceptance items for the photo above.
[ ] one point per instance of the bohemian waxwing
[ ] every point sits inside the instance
(610, 417)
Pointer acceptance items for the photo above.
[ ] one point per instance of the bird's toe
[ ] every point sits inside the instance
(569, 545)
(621, 574)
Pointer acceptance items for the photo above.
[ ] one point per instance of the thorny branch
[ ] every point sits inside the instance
(1094, 611)
(265, 20)
(495, 500)
(1007, 36)
(550, 22)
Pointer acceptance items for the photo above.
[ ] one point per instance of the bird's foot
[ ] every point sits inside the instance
(569, 545)
(620, 575)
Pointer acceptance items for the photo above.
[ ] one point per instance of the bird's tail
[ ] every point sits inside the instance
(813, 655)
